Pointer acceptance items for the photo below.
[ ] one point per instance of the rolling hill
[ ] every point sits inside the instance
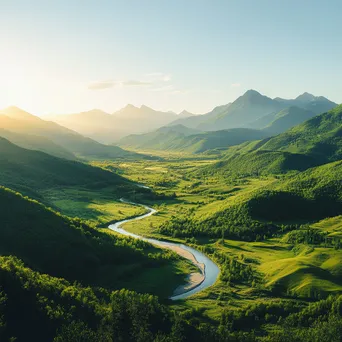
(164, 138)
(310, 195)
(257, 163)
(182, 139)
(319, 137)
(36, 142)
(25, 169)
(16, 120)
(62, 247)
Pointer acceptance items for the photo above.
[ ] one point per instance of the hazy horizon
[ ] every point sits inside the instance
(52, 114)
(67, 58)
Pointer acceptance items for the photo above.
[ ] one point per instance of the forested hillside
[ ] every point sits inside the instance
(319, 136)
(73, 250)
(33, 170)
(314, 142)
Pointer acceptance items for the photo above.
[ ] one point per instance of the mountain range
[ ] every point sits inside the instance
(31, 132)
(314, 142)
(107, 128)
(251, 117)
(254, 110)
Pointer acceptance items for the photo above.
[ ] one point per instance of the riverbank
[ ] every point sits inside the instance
(195, 282)
(193, 279)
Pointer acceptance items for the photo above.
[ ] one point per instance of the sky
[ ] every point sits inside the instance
(67, 56)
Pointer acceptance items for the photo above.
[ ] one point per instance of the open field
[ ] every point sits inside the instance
(97, 207)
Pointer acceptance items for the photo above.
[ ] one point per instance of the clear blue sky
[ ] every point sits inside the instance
(72, 55)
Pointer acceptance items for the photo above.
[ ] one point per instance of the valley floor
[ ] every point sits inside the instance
(264, 271)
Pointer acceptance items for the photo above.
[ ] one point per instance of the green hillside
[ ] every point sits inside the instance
(164, 138)
(73, 188)
(307, 196)
(310, 195)
(261, 162)
(16, 120)
(37, 170)
(38, 143)
(68, 248)
(316, 193)
(288, 118)
(38, 307)
(183, 139)
(319, 137)
(314, 142)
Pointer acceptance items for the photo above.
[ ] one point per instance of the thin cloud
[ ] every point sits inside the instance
(156, 79)
(235, 85)
(100, 85)
(135, 83)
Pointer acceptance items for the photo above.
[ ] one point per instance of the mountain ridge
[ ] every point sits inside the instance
(254, 107)
(83, 147)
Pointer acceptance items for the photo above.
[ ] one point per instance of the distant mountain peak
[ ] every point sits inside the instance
(185, 114)
(253, 97)
(251, 92)
(143, 107)
(306, 97)
(96, 111)
(129, 106)
(13, 108)
(17, 113)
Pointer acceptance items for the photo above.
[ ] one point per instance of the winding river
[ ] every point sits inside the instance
(207, 267)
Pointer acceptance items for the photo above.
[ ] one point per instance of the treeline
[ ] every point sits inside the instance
(37, 307)
(291, 320)
(235, 271)
(232, 223)
(310, 236)
(264, 214)
(276, 205)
